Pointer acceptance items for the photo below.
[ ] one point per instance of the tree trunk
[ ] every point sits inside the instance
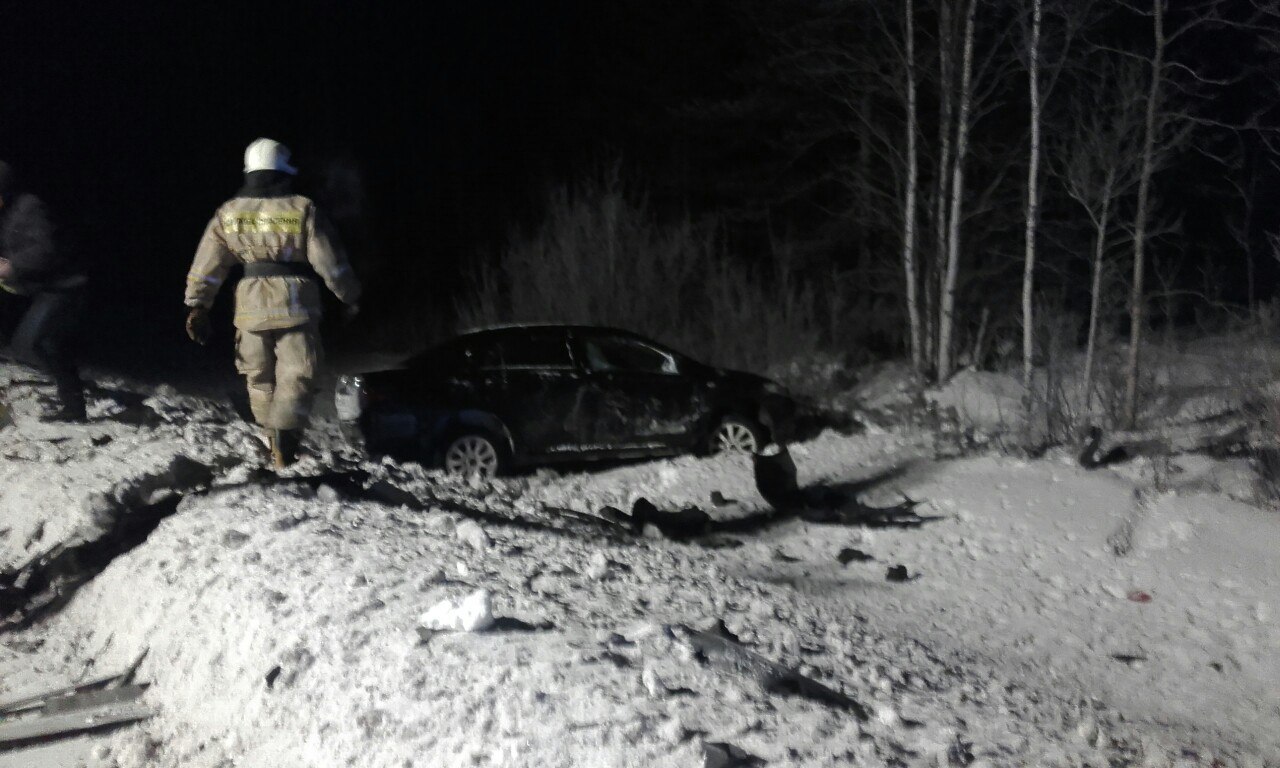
(980, 341)
(1033, 209)
(1095, 301)
(1137, 292)
(946, 114)
(909, 201)
(1250, 273)
(947, 300)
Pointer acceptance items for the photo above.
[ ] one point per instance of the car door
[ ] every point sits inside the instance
(539, 383)
(640, 399)
(407, 407)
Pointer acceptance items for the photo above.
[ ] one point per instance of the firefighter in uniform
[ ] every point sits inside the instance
(287, 249)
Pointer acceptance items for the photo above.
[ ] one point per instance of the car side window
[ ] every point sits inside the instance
(614, 353)
(535, 350)
(486, 356)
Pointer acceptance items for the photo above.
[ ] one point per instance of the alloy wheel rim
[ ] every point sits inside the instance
(472, 455)
(735, 438)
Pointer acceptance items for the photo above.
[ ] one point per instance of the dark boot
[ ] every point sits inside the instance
(45, 339)
(267, 444)
(284, 447)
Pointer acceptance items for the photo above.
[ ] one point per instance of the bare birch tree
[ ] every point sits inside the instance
(1033, 207)
(1100, 166)
(947, 299)
(1137, 290)
(909, 201)
(1167, 127)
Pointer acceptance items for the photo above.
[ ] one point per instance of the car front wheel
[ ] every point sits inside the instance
(738, 435)
(474, 454)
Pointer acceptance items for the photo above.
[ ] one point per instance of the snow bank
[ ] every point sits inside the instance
(63, 483)
(282, 619)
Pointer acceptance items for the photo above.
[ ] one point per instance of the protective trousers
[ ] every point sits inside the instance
(280, 368)
(46, 339)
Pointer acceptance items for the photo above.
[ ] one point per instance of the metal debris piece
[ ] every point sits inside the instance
(850, 555)
(50, 699)
(722, 652)
(72, 722)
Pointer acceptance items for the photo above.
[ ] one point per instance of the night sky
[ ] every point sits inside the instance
(131, 120)
(428, 130)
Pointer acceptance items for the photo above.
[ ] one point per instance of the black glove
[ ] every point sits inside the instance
(198, 327)
(350, 311)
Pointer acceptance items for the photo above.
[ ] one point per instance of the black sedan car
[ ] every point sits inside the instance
(490, 400)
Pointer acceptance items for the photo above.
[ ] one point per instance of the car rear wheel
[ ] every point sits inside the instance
(738, 435)
(474, 454)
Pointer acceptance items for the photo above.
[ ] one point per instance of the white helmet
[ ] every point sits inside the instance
(268, 155)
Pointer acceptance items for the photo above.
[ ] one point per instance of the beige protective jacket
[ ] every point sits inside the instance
(281, 229)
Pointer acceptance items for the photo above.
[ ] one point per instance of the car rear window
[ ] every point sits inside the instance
(613, 353)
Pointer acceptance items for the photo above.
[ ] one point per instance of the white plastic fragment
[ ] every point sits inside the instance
(470, 533)
(597, 566)
(652, 682)
(473, 613)
(887, 716)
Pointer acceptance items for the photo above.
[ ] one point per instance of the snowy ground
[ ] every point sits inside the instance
(1055, 616)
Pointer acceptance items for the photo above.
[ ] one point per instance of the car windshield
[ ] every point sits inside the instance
(622, 354)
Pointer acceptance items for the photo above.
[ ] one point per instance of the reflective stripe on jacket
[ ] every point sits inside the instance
(249, 230)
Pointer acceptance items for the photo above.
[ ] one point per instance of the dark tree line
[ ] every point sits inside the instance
(961, 167)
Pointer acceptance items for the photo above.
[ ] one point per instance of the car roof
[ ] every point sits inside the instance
(499, 327)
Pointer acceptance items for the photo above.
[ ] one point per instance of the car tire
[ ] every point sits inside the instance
(475, 453)
(737, 434)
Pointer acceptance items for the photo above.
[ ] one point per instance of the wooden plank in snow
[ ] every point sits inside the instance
(38, 699)
(79, 721)
(29, 701)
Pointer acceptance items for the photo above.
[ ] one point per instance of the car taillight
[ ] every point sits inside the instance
(349, 397)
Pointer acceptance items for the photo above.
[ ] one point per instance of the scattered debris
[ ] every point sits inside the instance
(776, 481)
(512, 624)
(234, 539)
(960, 752)
(597, 566)
(718, 499)
(32, 729)
(473, 613)
(47, 582)
(718, 754)
(615, 516)
(1217, 433)
(652, 683)
(722, 629)
(674, 525)
(850, 555)
(99, 703)
(28, 702)
(772, 677)
(470, 533)
(898, 573)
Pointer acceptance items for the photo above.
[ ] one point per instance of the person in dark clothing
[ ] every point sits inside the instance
(33, 265)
